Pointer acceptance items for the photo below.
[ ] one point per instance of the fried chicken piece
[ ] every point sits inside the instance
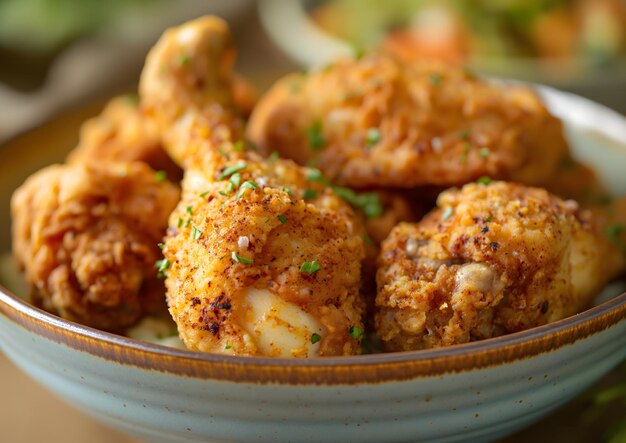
(86, 236)
(121, 134)
(261, 258)
(492, 259)
(378, 122)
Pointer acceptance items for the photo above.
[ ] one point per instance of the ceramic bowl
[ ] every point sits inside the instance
(473, 392)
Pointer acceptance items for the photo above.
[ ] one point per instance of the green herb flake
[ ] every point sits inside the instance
(614, 232)
(239, 146)
(238, 259)
(447, 213)
(367, 240)
(315, 136)
(160, 176)
(358, 52)
(160, 245)
(368, 202)
(222, 153)
(195, 233)
(315, 175)
(180, 222)
(372, 137)
(315, 337)
(310, 267)
(309, 194)
(189, 210)
(435, 79)
(162, 266)
(484, 152)
(288, 191)
(204, 194)
(273, 157)
(356, 332)
(227, 347)
(183, 60)
(488, 219)
(484, 180)
(231, 170)
(187, 223)
(244, 188)
(464, 134)
(282, 219)
(235, 179)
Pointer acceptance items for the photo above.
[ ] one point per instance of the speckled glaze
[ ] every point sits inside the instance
(474, 392)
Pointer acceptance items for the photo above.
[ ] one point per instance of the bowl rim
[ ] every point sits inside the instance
(351, 370)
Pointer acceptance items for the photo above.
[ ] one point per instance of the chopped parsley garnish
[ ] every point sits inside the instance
(183, 59)
(187, 223)
(195, 233)
(447, 213)
(484, 152)
(368, 202)
(245, 186)
(315, 175)
(614, 232)
(464, 134)
(180, 222)
(488, 219)
(309, 194)
(235, 179)
(372, 137)
(160, 245)
(238, 259)
(232, 169)
(189, 210)
(282, 219)
(160, 176)
(288, 191)
(315, 337)
(227, 347)
(484, 180)
(435, 79)
(204, 194)
(367, 240)
(162, 266)
(356, 332)
(310, 267)
(239, 146)
(359, 52)
(222, 153)
(273, 156)
(315, 136)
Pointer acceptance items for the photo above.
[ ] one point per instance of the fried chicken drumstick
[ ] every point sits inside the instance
(490, 260)
(260, 258)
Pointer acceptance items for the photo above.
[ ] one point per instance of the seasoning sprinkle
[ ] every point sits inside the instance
(244, 188)
(235, 179)
(189, 210)
(239, 146)
(162, 266)
(484, 180)
(180, 222)
(231, 170)
(315, 175)
(204, 194)
(310, 267)
(315, 337)
(356, 332)
(239, 259)
(160, 245)
(368, 202)
(160, 176)
(227, 347)
(282, 219)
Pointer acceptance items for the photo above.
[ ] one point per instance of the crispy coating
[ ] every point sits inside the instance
(378, 122)
(261, 258)
(492, 259)
(121, 134)
(86, 235)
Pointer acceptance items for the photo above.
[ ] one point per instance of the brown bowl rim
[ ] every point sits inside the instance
(372, 368)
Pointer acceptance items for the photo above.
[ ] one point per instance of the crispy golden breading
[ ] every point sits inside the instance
(262, 258)
(492, 259)
(121, 134)
(86, 236)
(378, 122)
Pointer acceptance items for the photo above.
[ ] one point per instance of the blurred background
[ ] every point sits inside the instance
(55, 53)
(58, 54)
